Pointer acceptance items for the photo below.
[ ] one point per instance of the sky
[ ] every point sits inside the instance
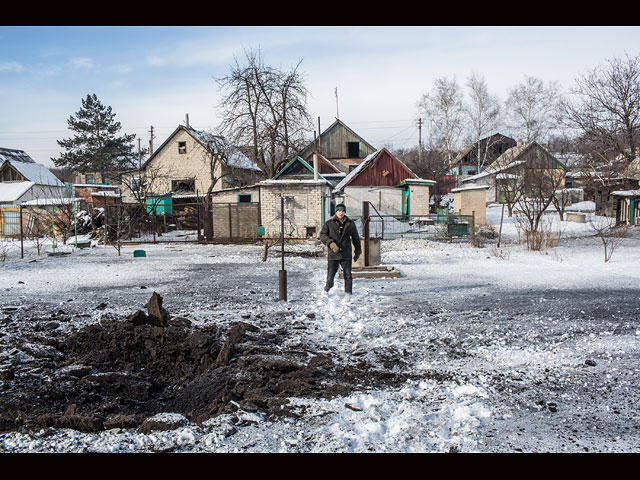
(155, 76)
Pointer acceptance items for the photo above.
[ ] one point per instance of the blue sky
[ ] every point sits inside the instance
(156, 75)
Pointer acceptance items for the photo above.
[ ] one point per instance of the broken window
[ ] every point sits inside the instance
(182, 147)
(188, 185)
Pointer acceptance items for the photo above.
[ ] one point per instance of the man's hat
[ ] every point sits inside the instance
(341, 206)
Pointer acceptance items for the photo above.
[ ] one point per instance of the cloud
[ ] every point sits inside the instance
(155, 61)
(83, 63)
(11, 67)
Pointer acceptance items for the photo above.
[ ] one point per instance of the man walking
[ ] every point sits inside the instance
(338, 233)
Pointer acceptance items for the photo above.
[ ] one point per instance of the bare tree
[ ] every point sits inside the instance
(534, 108)
(609, 233)
(605, 110)
(265, 109)
(533, 183)
(483, 112)
(443, 108)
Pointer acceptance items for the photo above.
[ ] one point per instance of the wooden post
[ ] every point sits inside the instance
(230, 223)
(21, 234)
(282, 277)
(365, 232)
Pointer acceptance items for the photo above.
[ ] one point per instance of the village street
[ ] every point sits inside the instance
(468, 351)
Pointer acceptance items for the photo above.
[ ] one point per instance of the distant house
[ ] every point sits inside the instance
(497, 175)
(487, 150)
(387, 183)
(182, 166)
(22, 179)
(22, 182)
(627, 206)
(303, 169)
(341, 146)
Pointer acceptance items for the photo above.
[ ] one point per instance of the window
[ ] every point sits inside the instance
(88, 178)
(182, 147)
(353, 149)
(188, 185)
(244, 198)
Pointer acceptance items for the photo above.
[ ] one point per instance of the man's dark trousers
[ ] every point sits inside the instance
(332, 269)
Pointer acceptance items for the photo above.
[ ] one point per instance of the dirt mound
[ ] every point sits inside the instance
(120, 372)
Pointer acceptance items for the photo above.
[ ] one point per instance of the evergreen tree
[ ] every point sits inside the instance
(96, 146)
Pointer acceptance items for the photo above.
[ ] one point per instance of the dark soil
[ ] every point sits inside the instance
(119, 372)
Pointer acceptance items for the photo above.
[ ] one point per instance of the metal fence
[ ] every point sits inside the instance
(9, 222)
(433, 226)
(183, 222)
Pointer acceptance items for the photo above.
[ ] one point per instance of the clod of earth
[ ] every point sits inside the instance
(123, 372)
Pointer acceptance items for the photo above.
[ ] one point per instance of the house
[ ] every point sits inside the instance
(387, 183)
(183, 163)
(303, 169)
(340, 145)
(487, 149)
(498, 175)
(627, 206)
(23, 179)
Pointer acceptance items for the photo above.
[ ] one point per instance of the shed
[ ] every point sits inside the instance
(388, 184)
(471, 201)
(627, 207)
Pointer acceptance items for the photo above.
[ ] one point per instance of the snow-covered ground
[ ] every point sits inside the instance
(510, 350)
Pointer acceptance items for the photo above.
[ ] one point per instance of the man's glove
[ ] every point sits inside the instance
(333, 246)
(356, 257)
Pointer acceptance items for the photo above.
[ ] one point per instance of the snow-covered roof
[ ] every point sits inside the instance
(28, 168)
(12, 191)
(626, 193)
(472, 187)
(320, 181)
(367, 161)
(237, 159)
(105, 194)
(51, 201)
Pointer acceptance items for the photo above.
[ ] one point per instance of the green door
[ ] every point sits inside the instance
(405, 202)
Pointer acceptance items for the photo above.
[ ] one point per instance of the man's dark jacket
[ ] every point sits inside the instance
(331, 232)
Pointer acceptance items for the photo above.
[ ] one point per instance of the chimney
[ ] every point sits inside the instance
(315, 166)
(186, 120)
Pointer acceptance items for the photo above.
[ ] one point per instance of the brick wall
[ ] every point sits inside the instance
(302, 207)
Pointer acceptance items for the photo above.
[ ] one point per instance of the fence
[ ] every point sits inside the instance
(184, 222)
(433, 226)
(9, 222)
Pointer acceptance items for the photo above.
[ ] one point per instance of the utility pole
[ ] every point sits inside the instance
(139, 155)
(420, 140)
(151, 141)
(337, 113)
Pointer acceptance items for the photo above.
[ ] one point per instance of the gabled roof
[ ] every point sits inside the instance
(368, 161)
(507, 160)
(471, 147)
(12, 191)
(28, 168)
(333, 171)
(237, 160)
(337, 124)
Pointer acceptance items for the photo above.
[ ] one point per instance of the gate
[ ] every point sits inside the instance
(9, 222)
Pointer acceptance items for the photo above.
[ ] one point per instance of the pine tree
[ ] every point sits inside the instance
(96, 147)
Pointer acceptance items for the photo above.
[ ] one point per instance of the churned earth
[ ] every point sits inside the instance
(189, 350)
